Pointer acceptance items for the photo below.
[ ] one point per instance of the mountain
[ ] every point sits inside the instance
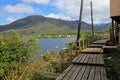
(37, 24)
(102, 26)
(40, 24)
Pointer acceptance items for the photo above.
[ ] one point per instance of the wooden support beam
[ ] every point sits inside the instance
(111, 34)
(92, 20)
(79, 23)
(113, 38)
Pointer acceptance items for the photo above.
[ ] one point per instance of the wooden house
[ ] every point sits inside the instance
(115, 16)
(115, 10)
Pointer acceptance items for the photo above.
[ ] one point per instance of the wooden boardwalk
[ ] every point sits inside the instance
(88, 65)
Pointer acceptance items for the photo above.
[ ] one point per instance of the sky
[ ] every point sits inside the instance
(11, 10)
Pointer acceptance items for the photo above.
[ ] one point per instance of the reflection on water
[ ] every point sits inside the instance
(55, 44)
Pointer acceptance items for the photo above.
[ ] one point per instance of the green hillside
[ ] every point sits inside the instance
(40, 24)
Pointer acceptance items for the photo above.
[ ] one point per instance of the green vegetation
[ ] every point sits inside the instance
(16, 62)
(16, 53)
(36, 25)
(113, 66)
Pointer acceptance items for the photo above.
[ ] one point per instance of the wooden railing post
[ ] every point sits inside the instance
(76, 46)
(62, 59)
(83, 44)
(79, 45)
(70, 51)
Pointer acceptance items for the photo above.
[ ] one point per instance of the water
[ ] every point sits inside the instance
(55, 44)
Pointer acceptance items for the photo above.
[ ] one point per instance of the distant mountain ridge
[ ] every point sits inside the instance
(37, 24)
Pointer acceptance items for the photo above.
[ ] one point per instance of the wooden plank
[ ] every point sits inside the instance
(100, 41)
(92, 73)
(86, 73)
(78, 58)
(91, 59)
(94, 59)
(82, 59)
(81, 72)
(110, 47)
(97, 73)
(95, 46)
(97, 59)
(103, 74)
(75, 73)
(87, 58)
(64, 73)
(92, 50)
(102, 60)
(68, 75)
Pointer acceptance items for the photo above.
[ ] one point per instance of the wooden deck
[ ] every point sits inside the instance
(88, 65)
(83, 72)
(100, 42)
(89, 59)
(95, 46)
(92, 50)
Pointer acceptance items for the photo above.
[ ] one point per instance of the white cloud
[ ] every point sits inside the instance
(11, 19)
(72, 7)
(37, 1)
(58, 16)
(19, 8)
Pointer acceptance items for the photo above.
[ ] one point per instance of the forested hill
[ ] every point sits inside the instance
(39, 24)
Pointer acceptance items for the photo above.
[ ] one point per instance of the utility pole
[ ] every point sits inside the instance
(79, 24)
(92, 20)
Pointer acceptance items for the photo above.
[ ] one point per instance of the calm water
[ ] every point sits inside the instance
(55, 44)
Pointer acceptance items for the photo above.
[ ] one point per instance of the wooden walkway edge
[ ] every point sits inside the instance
(88, 65)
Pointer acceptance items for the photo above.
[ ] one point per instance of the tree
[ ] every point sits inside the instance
(15, 53)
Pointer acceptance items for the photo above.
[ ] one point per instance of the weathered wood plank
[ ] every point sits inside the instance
(78, 58)
(97, 73)
(75, 73)
(68, 75)
(92, 50)
(90, 59)
(81, 72)
(64, 73)
(94, 59)
(87, 59)
(82, 59)
(103, 74)
(86, 73)
(100, 41)
(92, 73)
(95, 45)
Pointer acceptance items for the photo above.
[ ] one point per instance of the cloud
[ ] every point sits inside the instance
(69, 7)
(11, 19)
(72, 7)
(37, 1)
(58, 16)
(19, 8)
